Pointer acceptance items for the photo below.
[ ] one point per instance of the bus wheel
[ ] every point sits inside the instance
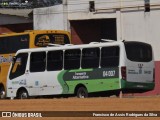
(23, 94)
(82, 92)
(2, 93)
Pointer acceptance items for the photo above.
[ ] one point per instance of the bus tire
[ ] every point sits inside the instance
(2, 92)
(22, 94)
(82, 92)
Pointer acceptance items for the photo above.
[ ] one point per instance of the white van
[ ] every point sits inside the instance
(81, 69)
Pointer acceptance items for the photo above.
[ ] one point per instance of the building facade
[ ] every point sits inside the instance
(93, 20)
(14, 20)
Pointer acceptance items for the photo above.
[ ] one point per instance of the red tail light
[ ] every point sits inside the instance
(153, 74)
(123, 73)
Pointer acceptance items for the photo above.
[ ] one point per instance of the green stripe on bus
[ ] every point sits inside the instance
(137, 85)
(95, 85)
(81, 70)
(62, 82)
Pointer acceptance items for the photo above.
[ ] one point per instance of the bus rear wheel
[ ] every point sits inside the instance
(2, 93)
(82, 92)
(22, 94)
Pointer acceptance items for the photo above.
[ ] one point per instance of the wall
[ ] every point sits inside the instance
(50, 18)
(79, 9)
(19, 27)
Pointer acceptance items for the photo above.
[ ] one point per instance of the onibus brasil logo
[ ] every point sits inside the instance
(21, 114)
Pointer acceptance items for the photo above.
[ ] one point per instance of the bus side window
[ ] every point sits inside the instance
(38, 62)
(19, 65)
(110, 56)
(54, 60)
(90, 57)
(72, 59)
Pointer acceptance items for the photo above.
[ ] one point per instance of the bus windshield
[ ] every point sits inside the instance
(138, 52)
(19, 65)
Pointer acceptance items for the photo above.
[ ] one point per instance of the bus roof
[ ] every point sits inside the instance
(80, 46)
(32, 31)
(70, 46)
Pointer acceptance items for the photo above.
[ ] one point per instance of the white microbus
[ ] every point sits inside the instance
(81, 69)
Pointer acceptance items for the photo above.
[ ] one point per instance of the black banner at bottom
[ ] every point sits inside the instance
(79, 114)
